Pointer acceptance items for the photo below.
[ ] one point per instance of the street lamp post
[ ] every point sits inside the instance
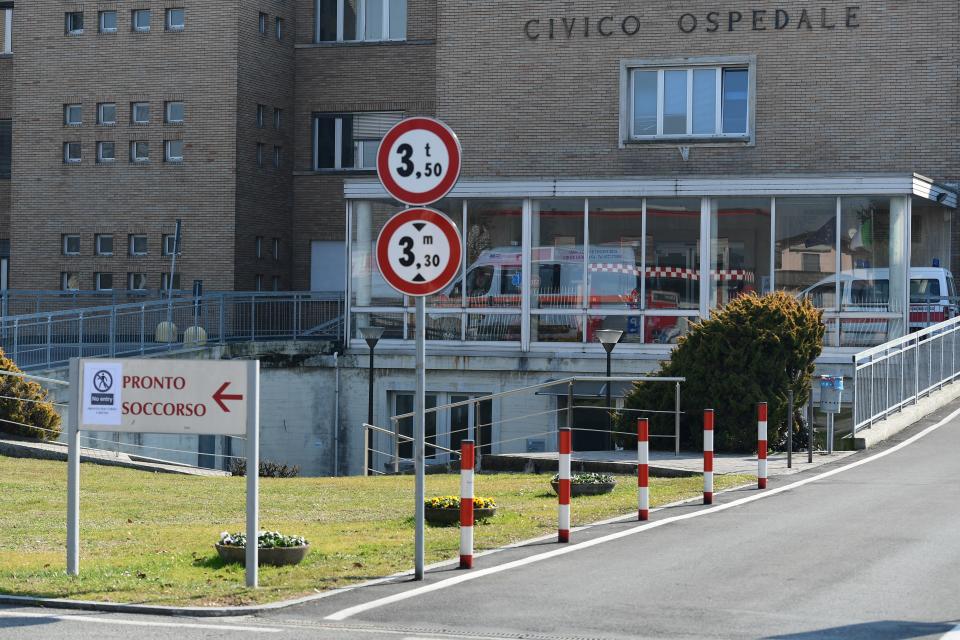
(371, 335)
(609, 339)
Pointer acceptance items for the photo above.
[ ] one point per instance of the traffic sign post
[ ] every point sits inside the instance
(419, 251)
(164, 396)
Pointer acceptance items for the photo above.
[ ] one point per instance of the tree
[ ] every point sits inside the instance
(24, 408)
(755, 349)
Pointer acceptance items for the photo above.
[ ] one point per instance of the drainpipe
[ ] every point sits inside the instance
(336, 415)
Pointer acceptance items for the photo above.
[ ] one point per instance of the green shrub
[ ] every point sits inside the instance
(587, 478)
(238, 467)
(753, 350)
(24, 408)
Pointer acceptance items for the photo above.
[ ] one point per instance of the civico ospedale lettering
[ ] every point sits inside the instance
(776, 20)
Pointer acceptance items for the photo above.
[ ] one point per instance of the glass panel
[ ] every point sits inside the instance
(459, 422)
(665, 329)
(673, 253)
(616, 240)
(328, 21)
(493, 327)
(705, 101)
(398, 19)
(350, 10)
(346, 142)
(373, 20)
(805, 253)
(865, 254)
(404, 404)
(440, 326)
(740, 248)
(675, 102)
(326, 136)
(368, 287)
(557, 254)
(450, 296)
(735, 89)
(556, 328)
(630, 325)
(932, 293)
(392, 324)
(644, 103)
(493, 255)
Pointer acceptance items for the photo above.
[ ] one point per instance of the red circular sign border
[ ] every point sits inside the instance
(450, 141)
(446, 276)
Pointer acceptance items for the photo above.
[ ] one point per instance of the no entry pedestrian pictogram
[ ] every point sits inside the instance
(418, 251)
(418, 160)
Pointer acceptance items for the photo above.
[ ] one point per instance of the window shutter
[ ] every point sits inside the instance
(373, 126)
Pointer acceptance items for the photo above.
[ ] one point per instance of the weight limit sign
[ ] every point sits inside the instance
(418, 252)
(418, 161)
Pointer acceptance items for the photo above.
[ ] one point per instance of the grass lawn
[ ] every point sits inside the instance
(148, 538)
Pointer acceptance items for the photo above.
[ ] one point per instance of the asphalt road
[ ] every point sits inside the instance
(870, 552)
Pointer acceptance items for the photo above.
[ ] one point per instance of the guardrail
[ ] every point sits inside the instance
(898, 373)
(50, 339)
(15, 302)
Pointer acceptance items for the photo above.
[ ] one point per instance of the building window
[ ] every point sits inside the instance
(6, 31)
(348, 20)
(349, 141)
(260, 155)
(169, 240)
(275, 283)
(139, 151)
(277, 156)
(278, 28)
(74, 23)
(107, 113)
(136, 281)
(259, 246)
(175, 19)
(69, 280)
(106, 152)
(6, 128)
(699, 102)
(277, 118)
(140, 20)
(108, 22)
(140, 112)
(138, 245)
(173, 151)
(104, 244)
(276, 249)
(72, 115)
(258, 282)
(103, 281)
(262, 23)
(71, 152)
(261, 111)
(71, 244)
(174, 113)
(165, 280)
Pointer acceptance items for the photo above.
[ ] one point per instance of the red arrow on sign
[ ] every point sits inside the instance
(219, 396)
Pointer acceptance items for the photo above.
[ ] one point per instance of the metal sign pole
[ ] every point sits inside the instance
(419, 430)
(253, 471)
(73, 471)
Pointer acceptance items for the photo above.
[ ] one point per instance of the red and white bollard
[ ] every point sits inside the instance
(466, 504)
(762, 445)
(563, 490)
(643, 469)
(708, 456)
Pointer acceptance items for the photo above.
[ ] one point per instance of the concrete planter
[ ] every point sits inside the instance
(585, 489)
(451, 516)
(278, 557)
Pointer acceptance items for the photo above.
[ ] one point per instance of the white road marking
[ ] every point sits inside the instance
(953, 634)
(480, 573)
(136, 623)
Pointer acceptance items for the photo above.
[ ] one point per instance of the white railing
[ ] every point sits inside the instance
(50, 339)
(898, 373)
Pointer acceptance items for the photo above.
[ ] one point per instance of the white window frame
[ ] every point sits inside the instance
(65, 238)
(133, 20)
(361, 22)
(132, 278)
(65, 280)
(277, 156)
(96, 244)
(169, 25)
(278, 28)
(165, 280)
(133, 112)
(71, 29)
(277, 118)
(103, 121)
(261, 115)
(102, 159)
(276, 249)
(97, 280)
(627, 67)
(168, 155)
(258, 282)
(132, 242)
(67, 108)
(338, 144)
(133, 151)
(6, 24)
(262, 23)
(166, 112)
(258, 244)
(168, 244)
(260, 155)
(67, 158)
(102, 27)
